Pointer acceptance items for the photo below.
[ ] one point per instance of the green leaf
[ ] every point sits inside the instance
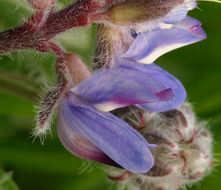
(6, 183)
(13, 13)
(19, 85)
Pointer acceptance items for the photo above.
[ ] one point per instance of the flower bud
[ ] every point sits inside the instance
(132, 11)
(184, 148)
(77, 68)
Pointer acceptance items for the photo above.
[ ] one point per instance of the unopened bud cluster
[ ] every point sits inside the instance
(184, 148)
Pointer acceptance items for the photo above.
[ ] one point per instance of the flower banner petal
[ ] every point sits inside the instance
(110, 134)
(122, 86)
(148, 46)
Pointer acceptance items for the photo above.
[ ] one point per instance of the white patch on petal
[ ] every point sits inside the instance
(106, 107)
(190, 4)
(158, 52)
(165, 26)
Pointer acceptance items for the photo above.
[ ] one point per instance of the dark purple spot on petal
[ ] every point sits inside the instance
(165, 94)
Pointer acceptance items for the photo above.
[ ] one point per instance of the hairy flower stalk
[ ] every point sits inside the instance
(46, 23)
(42, 10)
(52, 99)
(184, 148)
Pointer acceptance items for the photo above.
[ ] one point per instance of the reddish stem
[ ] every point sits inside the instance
(193, 137)
(25, 36)
(142, 121)
(180, 155)
(180, 135)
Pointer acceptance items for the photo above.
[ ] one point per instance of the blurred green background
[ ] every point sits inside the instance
(29, 165)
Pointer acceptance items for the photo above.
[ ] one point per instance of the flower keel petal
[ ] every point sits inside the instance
(110, 134)
(78, 145)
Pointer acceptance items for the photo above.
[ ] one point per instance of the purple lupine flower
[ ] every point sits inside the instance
(118, 18)
(148, 46)
(89, 132)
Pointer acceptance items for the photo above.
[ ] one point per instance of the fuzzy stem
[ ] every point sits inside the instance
(25, 36)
